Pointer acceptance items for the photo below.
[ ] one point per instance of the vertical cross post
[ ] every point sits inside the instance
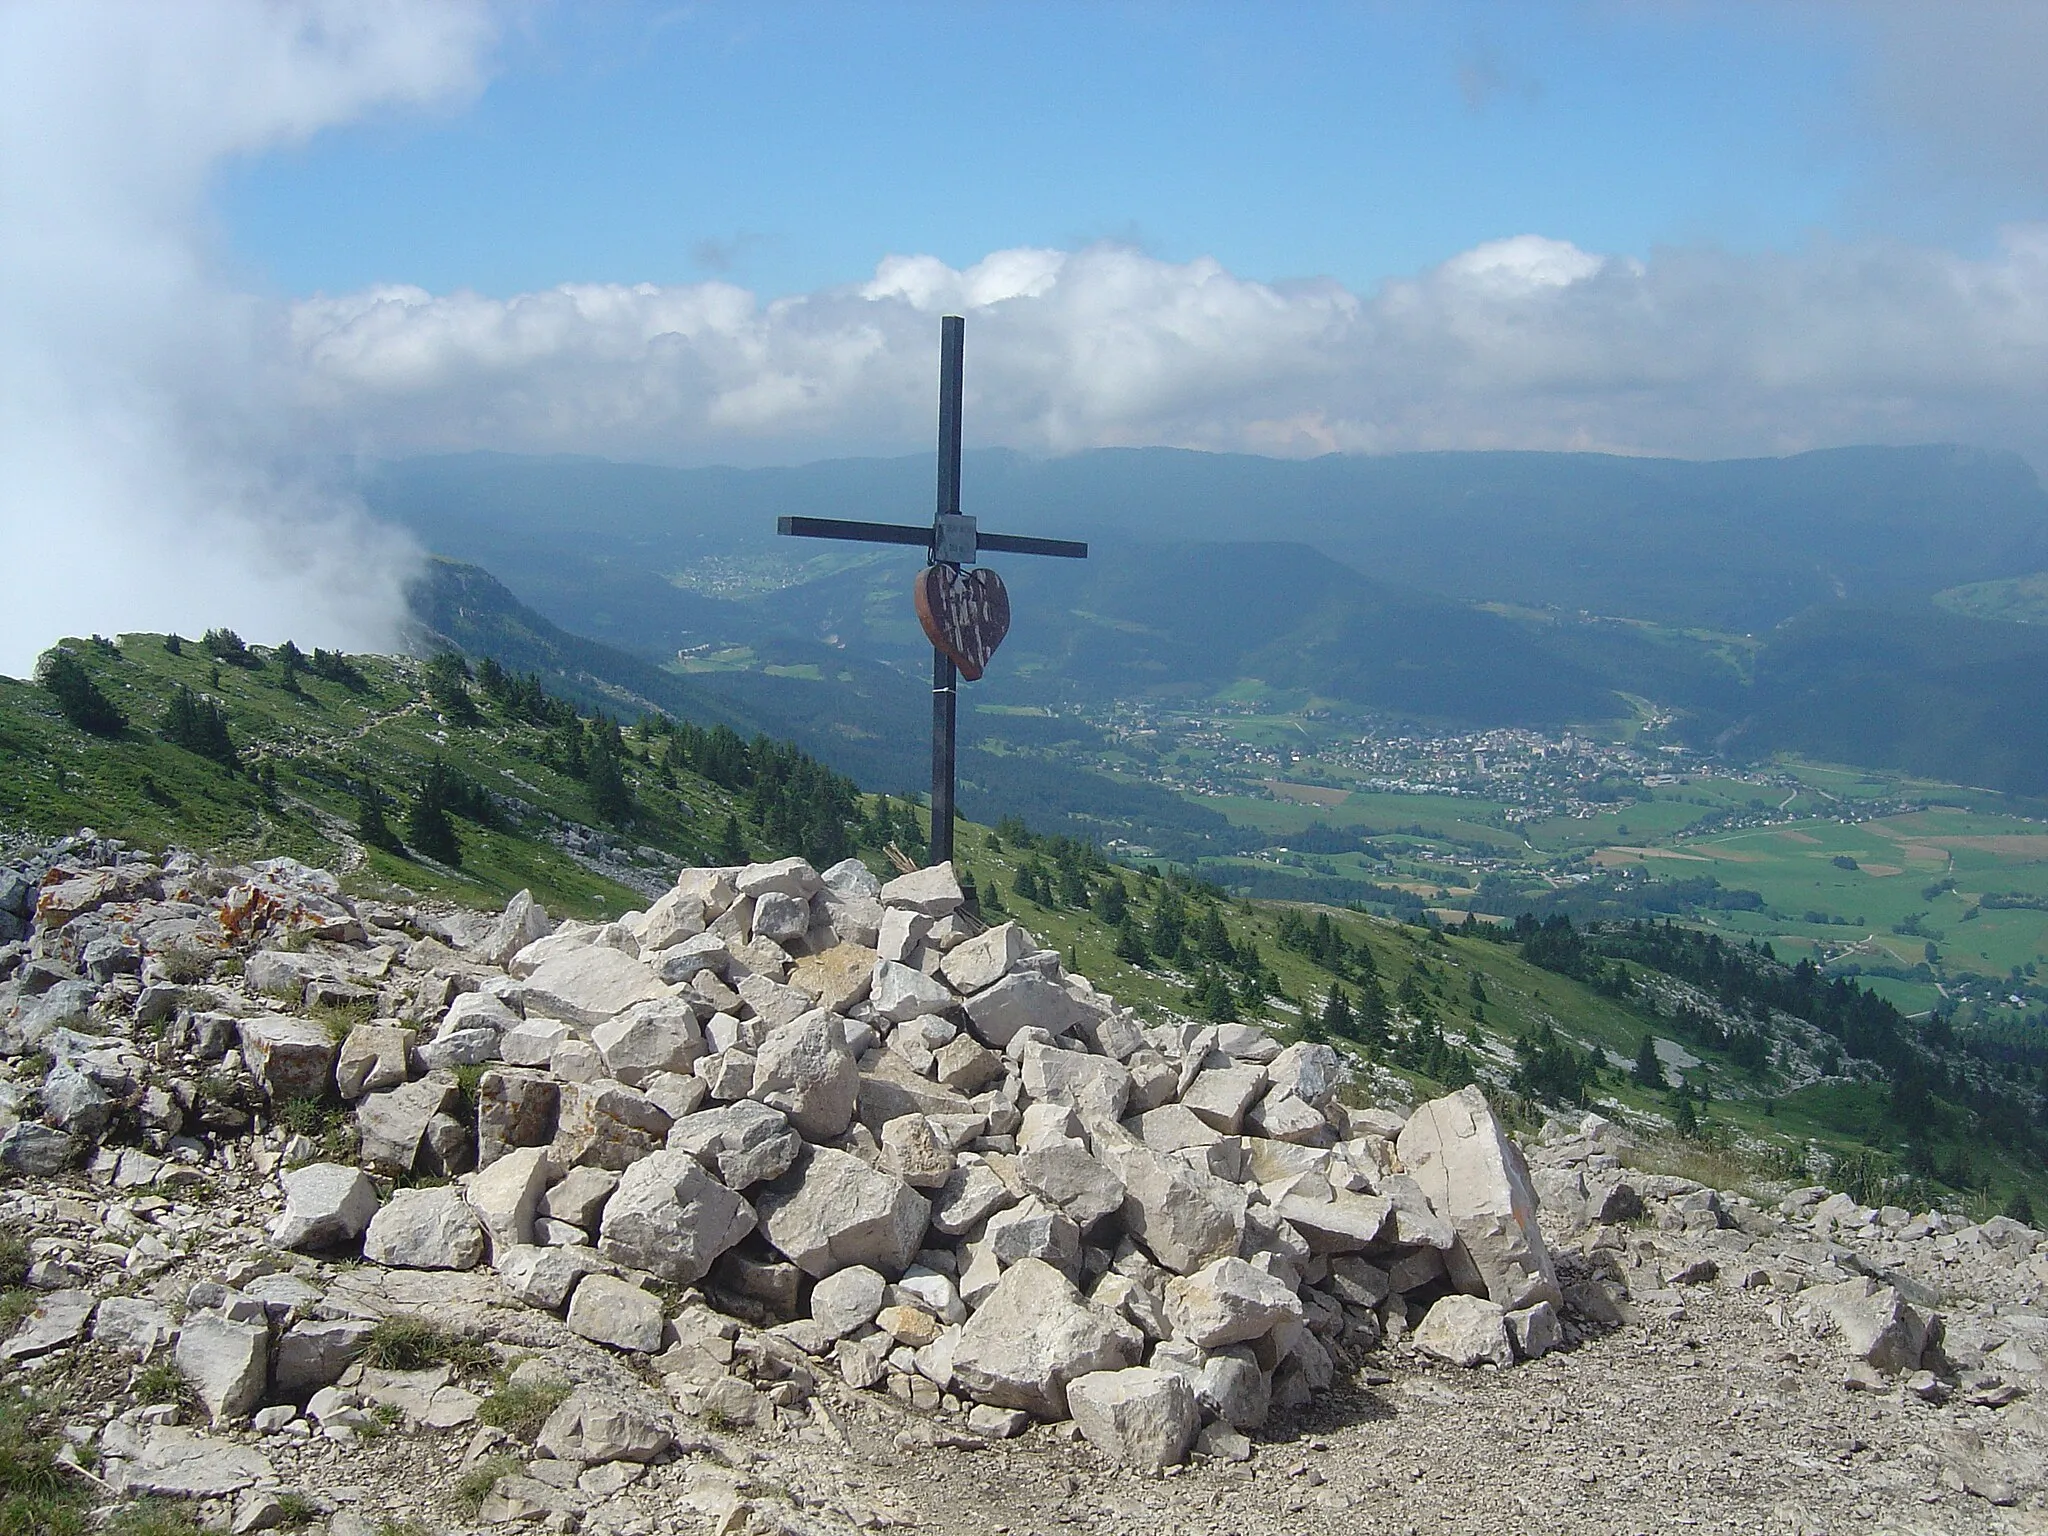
(953, 541)
(945, 680)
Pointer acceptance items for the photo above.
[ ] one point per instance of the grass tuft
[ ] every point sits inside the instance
(14, 1259)
(38, 1497)
(296, 1511)
(475, 1485)
(413, 1344)
(521, 1409)
(160, 1381)
(154, 1517)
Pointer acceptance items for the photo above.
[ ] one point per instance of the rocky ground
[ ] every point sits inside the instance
(802, 1203)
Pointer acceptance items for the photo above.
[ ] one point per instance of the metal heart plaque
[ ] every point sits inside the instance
(965, 612)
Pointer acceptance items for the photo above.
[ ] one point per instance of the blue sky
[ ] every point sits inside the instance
(244, 243)
(789, 148)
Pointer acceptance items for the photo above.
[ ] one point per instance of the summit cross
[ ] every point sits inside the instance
(965, 612)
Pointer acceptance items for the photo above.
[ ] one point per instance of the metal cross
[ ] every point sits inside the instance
(952, 539)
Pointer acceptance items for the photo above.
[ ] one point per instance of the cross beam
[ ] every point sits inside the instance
(950, 539)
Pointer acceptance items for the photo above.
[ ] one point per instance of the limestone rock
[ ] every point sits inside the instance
(58, 1319)
(929, 892)
(1067, 1176)
(1220, 1096)
(913, 1154)
(1021, 1000)
(1466, 1330)
(805, 1070)
(1535, 1331)
(392, 1125)
(785, 877)
(312, 1354)
(373, 1057)
(848, 1299)
(425, 1229)
(647, 1038)
(591, 1426)
(290, 1058)
(523, 921)
(1877, 1324)
(544, 1277)
(979, 963)
(1078, 1079)
(831, 1210)
(590, 985)
(1139, 1417)
(1475, 1178)
(1228, 1302)
(226, 1363)
(326, 1205)
(1310, 1071)
(743, 1143)
(606, 1124)
(505, 1196)
(608, 1310)
(671, 1218)
(579, 1197)
(1184, 1217)
(1030, 1337)
(515, 1107)
(897, 992)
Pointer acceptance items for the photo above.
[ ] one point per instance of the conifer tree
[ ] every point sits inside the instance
(1649, 1071)
(371, 828)
(732, 846)
(428, 826)
(1337, 1019)
(84, 704)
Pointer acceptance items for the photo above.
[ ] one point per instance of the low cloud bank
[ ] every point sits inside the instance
(1526, 342)
(148, 411)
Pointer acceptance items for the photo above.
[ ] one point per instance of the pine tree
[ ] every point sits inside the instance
(610, 797)
(64, 677)
(1337, 1019)
(732, 847)
(1130, 943)
(428, 827)
(1649, 1071)
(198, 725)
(371, 828)
(1683, 1119)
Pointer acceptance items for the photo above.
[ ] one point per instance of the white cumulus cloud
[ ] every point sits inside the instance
(1527, 342)
(145, 429)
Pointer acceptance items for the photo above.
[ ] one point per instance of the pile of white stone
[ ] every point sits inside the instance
(904, 1147)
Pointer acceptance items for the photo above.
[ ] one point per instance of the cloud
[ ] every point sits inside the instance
(1526, 342)
(145, 448)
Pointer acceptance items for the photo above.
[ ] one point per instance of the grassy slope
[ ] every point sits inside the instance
(139, 787)
(54, 779)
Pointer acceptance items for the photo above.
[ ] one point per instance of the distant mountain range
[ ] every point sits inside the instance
(1777, 603)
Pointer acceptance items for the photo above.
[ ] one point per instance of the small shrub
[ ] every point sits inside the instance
(14, 1259)
(15, 1306)
(38, 1497)
(160, 1381)
(184, 967)
(302, 1117)
(339, 1018)
(154, 1517)
(295, 1511)
(476, 1484)
(521, 1408)
(413, 1344)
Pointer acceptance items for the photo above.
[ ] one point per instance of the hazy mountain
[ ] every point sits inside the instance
(1738, 544)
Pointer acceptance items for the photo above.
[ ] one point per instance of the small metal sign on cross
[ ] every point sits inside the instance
(964, 610)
